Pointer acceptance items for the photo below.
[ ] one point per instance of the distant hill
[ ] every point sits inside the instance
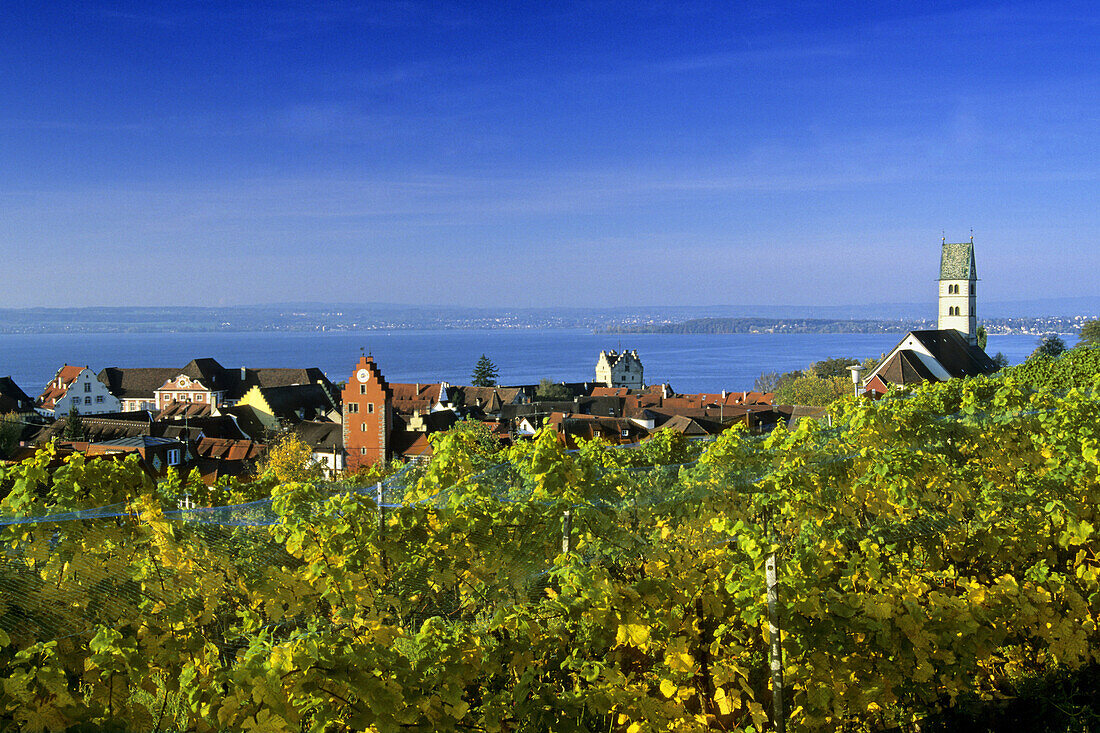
(870, 318)
(775, 325)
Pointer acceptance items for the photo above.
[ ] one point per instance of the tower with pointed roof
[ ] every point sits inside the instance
(958, 290)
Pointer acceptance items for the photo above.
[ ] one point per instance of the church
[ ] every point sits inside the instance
(949, 351)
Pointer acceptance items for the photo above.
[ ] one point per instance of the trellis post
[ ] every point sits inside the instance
(775, 648)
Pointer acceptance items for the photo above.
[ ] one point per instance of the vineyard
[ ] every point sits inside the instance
(927, 546)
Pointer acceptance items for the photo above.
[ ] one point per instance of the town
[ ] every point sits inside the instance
(219, 420)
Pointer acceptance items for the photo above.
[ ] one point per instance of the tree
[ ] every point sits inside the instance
(767, 382)
(1050, 344)
(74, 426)
(552, 392)
(837, 367)
(983, 338)
(1090, 334)
(289, 458)
(485, 373)
(1000, 360)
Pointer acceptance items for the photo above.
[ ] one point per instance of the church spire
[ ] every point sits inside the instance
(958, 289)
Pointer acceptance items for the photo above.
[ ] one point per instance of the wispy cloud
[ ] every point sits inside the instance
(753, 57)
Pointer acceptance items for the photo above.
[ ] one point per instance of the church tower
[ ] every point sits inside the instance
(368, 416)
(958, 291)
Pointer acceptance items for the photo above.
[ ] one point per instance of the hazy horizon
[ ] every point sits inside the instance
(472, 156)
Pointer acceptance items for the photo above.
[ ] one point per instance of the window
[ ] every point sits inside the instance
(362, 451)
(87, 400)
(370, 407)
(352, 407)
(87, 386)
(971, 288)
(362, 427)
(99, 399)
(173, 456)
(200, 398)
(362, 389)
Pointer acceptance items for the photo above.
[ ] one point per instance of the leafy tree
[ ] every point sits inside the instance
(1050, 344)
(288, 458)
(836, 367)
(485, 373)
(1090, 334)
(74, 426)
(983, 338)
(552, 392)
(1000, 360)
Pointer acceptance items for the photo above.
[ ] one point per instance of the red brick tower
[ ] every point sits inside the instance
(368, 416)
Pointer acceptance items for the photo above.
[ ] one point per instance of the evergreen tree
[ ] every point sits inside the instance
(74, 426)
(485, 373)
(983, 338)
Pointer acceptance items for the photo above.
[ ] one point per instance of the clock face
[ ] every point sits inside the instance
(362, 375)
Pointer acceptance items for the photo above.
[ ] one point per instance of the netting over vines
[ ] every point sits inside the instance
(929, 546)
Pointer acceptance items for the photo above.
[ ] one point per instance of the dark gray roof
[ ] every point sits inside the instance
(247, 420)
(12, 398)
(311, 400)
(97, 429)
(321, 436)
(906, 367)
(136, 383)
(955, 353)
(957, 261)
(139, 441)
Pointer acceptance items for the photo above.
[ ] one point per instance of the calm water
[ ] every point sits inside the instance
(708, 363)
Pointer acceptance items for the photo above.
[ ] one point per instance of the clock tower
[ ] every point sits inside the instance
(367, 416)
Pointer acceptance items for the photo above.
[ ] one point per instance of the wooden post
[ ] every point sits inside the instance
(776, 649)
(567, 531)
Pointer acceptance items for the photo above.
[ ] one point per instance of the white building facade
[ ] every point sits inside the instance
(614, 369)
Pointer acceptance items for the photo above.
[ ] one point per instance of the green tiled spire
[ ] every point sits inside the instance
(957, 261)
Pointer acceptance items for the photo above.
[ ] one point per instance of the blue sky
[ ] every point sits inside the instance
(545, 153)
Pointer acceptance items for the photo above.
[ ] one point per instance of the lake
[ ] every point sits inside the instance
(690, 363)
